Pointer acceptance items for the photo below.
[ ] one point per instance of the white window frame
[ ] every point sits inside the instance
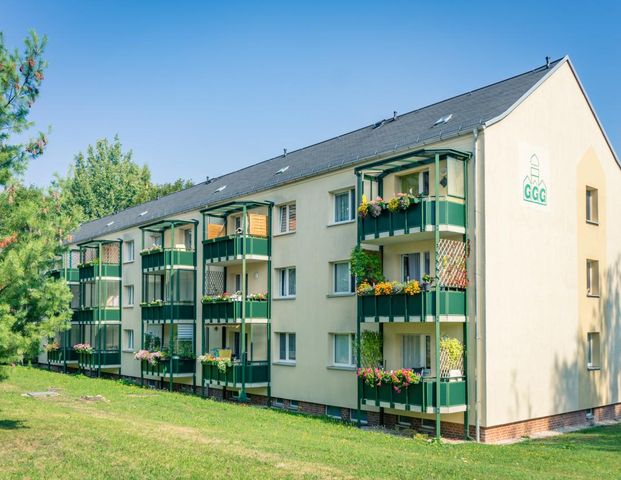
(424, 255)
(594, 359)
(130, 339)
(351, 192)
(351, 286)
(592, 205)
(284, 284)
(350, 353)
(422, 338)
(287, 209)
(592, 280)
(127, 296)
(287, 337)
(130, 253)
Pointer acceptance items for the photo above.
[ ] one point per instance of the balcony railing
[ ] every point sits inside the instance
(58, 356)
(89, 314)
(91, 271)
(105, 358)
(180, 366)
(229, 248)
(257, 374)
(231, 312)
(419, 217)
(69, 274)
(420, 397)
(167, 312)
(413, 308)
(161, 259)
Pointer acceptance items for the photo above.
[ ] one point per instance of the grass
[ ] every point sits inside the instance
(139, 433)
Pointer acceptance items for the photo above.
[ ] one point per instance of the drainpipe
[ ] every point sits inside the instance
(475, 141)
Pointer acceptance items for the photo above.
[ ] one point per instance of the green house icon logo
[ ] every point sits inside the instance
(534, 188)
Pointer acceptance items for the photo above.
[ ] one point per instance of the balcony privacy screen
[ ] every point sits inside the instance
(452, 263)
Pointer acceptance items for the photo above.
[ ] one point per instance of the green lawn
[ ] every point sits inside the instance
(139, 433)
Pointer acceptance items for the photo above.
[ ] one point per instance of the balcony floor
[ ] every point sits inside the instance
(446, 231)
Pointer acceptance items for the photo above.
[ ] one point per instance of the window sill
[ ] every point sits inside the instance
(279, 299)
(125, 350)
(128, 306)
(591, 295)
(128, 261)
(337, 295)
(593, 222)
(592, 369)
(284, 364)
(346, 222)
(282, 234)
(347, 368)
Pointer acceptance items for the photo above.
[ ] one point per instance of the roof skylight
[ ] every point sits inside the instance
(283, 170)
(220, 188)
(109, 224)
(142, 214)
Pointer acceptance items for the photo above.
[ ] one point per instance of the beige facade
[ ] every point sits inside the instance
(530, 314)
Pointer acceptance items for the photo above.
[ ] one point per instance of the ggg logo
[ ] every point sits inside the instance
(534, 188)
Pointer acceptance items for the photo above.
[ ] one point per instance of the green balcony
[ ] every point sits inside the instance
(92, 271)
(229, 249)
(88, 315)
(167, 312)
(413, 308)
(59, 356)
(231, 312)
(419, 217)
(419, 397)
(71, 275)
(162, 259)
(180, 367)
(257, 375)
(100, 358)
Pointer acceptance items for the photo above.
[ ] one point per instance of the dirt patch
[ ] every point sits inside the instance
(40, 394)
(142, 395)
(94, 398)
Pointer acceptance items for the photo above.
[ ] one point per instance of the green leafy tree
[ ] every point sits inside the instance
(105, 180)
(34, 222)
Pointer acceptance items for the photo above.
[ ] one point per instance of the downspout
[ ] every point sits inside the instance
(477, 421)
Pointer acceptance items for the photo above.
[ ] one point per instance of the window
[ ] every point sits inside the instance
(592, 278)
(593, 350)
(286, 342)
(333, 412)
(156, 239)
(286, 282)
(187, 238)
(415, 265)
(416, 183)
(110, 336)
(343, 350)
(592, 205)
(129, 295)
(344, 206)
(129, 251)
(417, 351)
(404, 421)
(238, 285)
(353, 415)
(129, 339)
(75, 296)
(293, 405)
(184, 341)
(287, 218)
(342, 281)
(278, 402)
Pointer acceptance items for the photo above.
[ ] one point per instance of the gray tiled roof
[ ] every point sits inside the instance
(415, 128)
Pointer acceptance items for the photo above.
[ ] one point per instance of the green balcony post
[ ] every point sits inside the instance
(242, 341)
(436, 240)
(269, 304)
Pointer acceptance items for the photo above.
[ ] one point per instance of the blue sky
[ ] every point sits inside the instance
(200, 89)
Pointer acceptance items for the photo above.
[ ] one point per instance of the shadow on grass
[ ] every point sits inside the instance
(12, 424)
(604, 438)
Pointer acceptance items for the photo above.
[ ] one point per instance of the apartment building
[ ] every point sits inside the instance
(497, 228)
